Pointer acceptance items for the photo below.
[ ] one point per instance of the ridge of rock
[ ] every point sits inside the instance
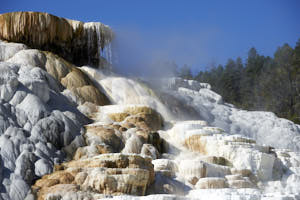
(78, 42)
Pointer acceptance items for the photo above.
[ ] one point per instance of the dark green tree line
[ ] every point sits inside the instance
(261, 83)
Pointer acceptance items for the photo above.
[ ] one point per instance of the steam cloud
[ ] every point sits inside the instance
(142, 53)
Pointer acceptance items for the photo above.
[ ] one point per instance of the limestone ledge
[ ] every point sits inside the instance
(78, 42)
(113, 174)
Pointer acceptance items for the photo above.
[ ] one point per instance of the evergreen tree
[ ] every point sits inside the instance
(296, 71)
(286, 74)
(231, 80)
(185, 72)
(263, 83)
(251, 73)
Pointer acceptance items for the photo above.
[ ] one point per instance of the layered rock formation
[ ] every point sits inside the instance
(40, 124)
(37, 121)
(78, 42)
(70, 77)
(107, 174)
(111, 173)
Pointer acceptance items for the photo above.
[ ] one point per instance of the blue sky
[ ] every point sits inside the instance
(194, 32)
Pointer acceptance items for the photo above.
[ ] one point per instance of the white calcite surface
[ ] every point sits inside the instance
(264, 127)
(230, 147)
(7, 50)
(36, 121)
(30, 57)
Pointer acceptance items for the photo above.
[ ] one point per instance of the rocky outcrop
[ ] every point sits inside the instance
(36, 123)
(114, 174)
(211, 183)
(142, 117)
(100, 167)
(40, 125)
(78, 42)
(235, 149)
(72, 78)
(7, 50)
(122, 135)
(165, 166)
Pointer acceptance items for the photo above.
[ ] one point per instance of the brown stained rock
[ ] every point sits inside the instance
(116, 126)
(62, 176)
(102, 149)
(113, 174)
(143, 134)
(234, 177)
(114, 160)
(151, 138)
(218, 160)
(79, 83)
(89, 109)
(74, 171)
(144, 118)
(147, 121)
(195, 143)
(80, 152)
(193, 180)
(242, 172)
(122, 129)
(211, 183)
(118, 117)
(152, 122)
(128, 125)
(75, 79)
(90, 93)
(68, 75)
(106, 135)
(240, 139)
(58, 189)
(140, 109)
(92, 107)
(90, 151)
(80, 178)
(57, 66)
(46, 182)
(58, 167)
(68, 38)
(146, 142)
(118, 181)
(141, 116)
(35, 28)
(150, 150)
